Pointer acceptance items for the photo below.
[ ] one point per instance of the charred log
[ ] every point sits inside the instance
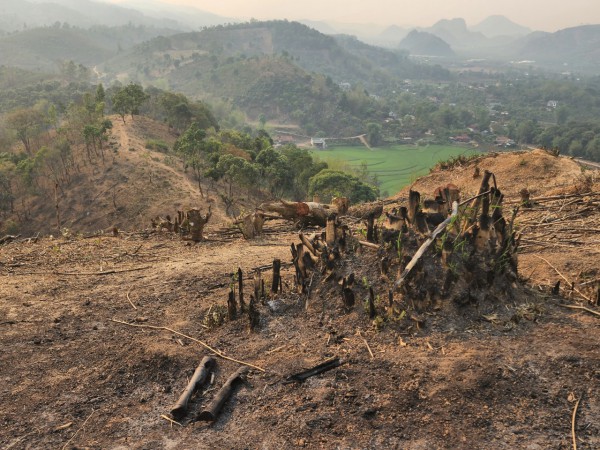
(211, 412)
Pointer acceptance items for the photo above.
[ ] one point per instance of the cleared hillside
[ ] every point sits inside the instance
(93, 355)
(133, 185)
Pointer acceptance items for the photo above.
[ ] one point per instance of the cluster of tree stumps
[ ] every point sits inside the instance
(426, 251)
(236, 304)
(189, 224)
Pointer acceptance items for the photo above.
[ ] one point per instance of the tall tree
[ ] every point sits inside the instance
(27, 123)
(128, 100)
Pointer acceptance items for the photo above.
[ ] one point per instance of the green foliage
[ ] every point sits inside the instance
(128, 100)
(237, 169)
(157, 145)
(27, 123)
(395, 166)
(331, 183)
(374, 134)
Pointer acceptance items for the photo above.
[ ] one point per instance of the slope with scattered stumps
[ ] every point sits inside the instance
(102, 335)
(131, 186)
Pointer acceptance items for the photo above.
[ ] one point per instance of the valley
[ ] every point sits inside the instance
(383, 235)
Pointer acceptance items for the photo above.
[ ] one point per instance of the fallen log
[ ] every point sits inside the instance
(323, 367)
(369, 245)
(211, 412)
(307, 213)
(366, 210)
(180, 409)
(8, 238)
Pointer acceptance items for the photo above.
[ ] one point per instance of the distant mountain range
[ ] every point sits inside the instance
(73, 30)
(495, 26)
(425, 44)
(16, 15)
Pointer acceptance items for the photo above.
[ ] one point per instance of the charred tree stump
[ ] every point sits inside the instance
(306, 242)
(231, 306)
(372, 311)
(253, 314)
(200, 374)
(341, 205)
(414, 199)
(384, 266)
(304, 261)
(474, 206)
(347, 292)
(211, 412)
(391, 298)
(276, 282)
(257, 283)
(240, 276)
(370, 229)
(331, 230)
(415, 259)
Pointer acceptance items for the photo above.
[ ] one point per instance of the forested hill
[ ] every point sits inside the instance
(576, 48)
(343, 59)
(45, 47)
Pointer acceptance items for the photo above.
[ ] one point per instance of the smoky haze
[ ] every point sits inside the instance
(546, 15)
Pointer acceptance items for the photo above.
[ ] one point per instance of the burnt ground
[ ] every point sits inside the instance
(70, 375)
(504, 374)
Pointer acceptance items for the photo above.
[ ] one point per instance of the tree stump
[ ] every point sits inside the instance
(231, 306)
(197, 222)
(240, 276)
(276, 282)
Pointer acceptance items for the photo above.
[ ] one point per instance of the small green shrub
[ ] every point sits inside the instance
(9, 227)
(157, 145)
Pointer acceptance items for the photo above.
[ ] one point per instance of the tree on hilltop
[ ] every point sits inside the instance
(128, 100)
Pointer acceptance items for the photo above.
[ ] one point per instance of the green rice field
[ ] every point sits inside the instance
(396, 166)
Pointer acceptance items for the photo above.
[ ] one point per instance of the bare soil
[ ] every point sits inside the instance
(493, 376)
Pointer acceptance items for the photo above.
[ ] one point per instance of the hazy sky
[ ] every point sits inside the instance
(547, 15)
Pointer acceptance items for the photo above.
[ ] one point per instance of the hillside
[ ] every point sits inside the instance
(456, 33)
(134, 185)
(103, 334)
(16, 15)
(44, 48)
(497, 25)
(572, 49)
(344, 59)
(571, 248)
(426, 44)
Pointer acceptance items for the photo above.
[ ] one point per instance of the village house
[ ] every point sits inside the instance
(318, 143)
